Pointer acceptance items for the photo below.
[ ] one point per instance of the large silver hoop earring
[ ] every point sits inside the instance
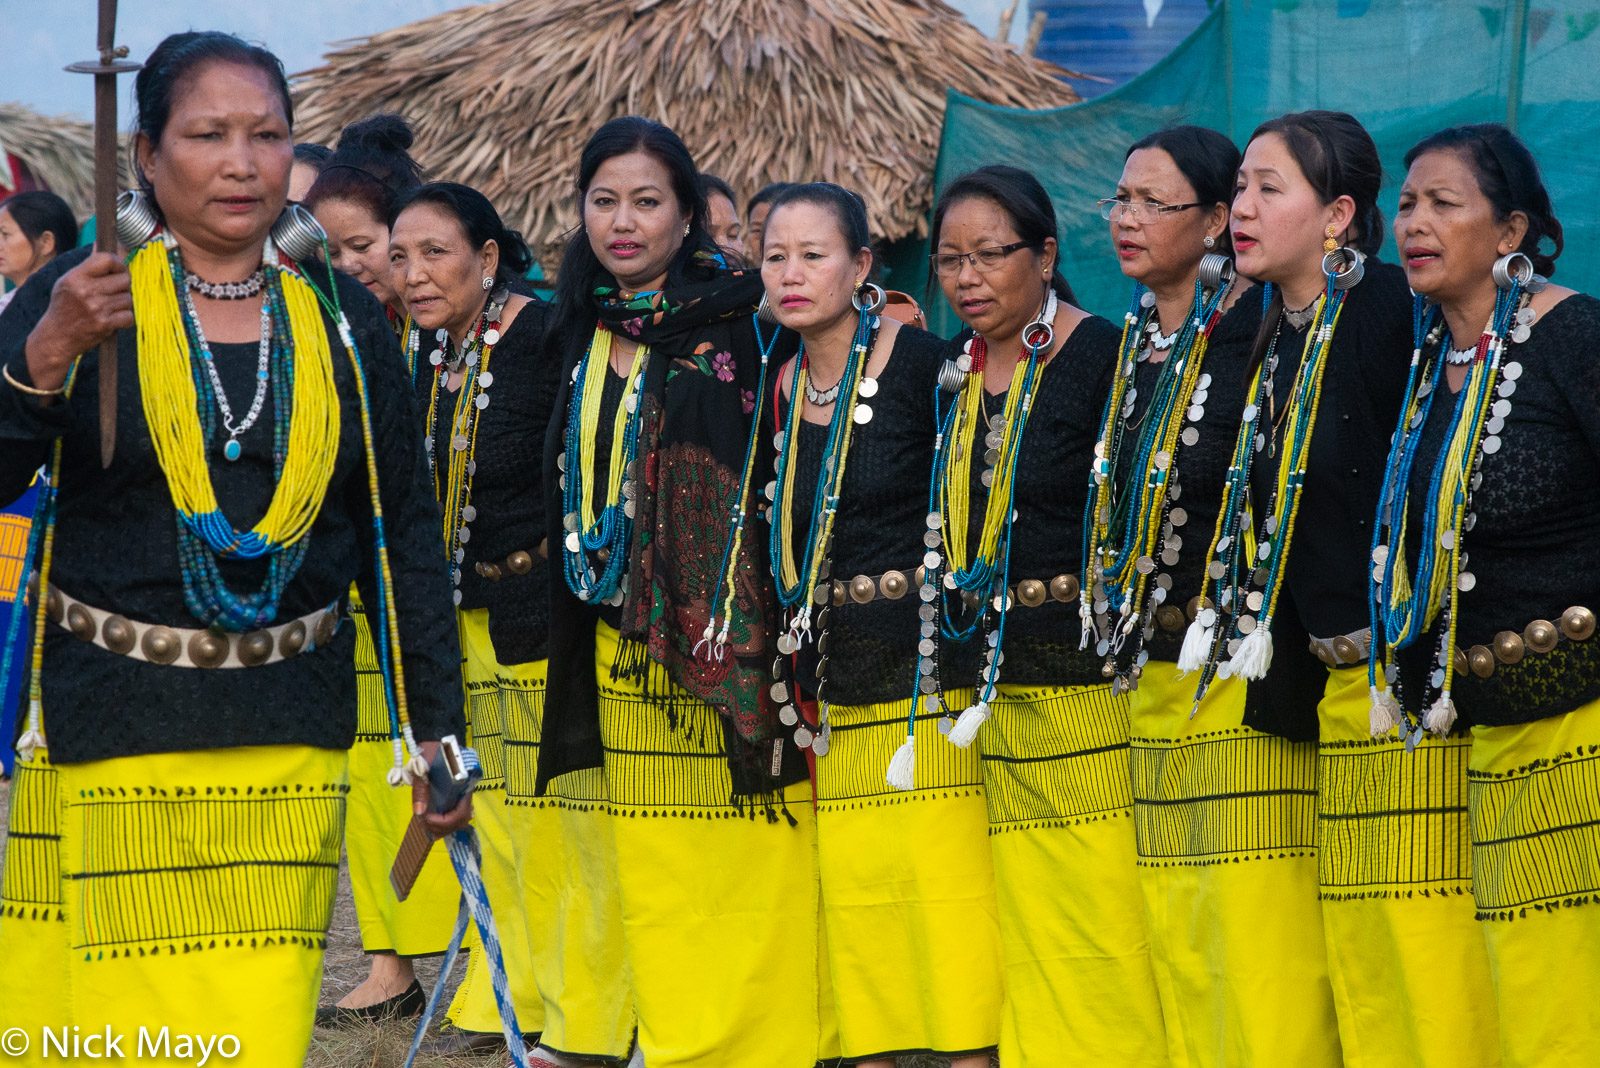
(297, 234)
(869, 298)
(1513, 268)
(1040, 334)
(137, 222)
(764, 311)
(1216, 271)
(1344, 265)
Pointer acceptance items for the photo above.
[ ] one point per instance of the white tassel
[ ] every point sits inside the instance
(1384, 715)
(1442, 716)
(30, 741)
(965, 732)
(1196, 644)
(1254, 657)
(903, 768)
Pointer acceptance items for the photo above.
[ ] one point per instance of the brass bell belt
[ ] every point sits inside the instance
(1541, 636)
(1347, 650)
(184, 647)
(893, 585)
(518, 563)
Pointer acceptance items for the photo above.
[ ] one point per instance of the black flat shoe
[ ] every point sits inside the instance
(407, 1005)
(455, 1042)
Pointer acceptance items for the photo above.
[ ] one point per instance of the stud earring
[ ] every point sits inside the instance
(1210, 242)
(685, 229)
(488, 281)
(1331, 240)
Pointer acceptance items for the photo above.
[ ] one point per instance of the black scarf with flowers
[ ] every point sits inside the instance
(696, 410)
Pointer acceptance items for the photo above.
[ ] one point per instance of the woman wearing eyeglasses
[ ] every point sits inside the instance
(1166, 427)
(1001, 655)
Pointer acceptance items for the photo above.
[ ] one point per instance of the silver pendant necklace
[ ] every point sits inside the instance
(232, 450)
(822, 397)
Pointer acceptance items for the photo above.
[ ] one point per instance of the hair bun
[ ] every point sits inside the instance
(388, 133)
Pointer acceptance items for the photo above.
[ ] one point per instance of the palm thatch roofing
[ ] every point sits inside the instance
(503, 95)
(59, 152)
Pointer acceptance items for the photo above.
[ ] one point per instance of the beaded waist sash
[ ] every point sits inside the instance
(893, 585)
(192, 648)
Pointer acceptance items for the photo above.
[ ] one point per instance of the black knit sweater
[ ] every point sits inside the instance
(507, 485)
(116, 548)
(1531, 549)
(882, 516)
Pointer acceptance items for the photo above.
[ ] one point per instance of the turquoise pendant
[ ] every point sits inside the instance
(231, 450)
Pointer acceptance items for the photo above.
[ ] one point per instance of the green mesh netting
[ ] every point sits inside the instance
(1403, 67)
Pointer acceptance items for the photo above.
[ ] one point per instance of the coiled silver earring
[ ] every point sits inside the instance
(136, 219)
(1216, 271)
(869, 305)
(1345, 265)
(297, 234)
(1511, 269)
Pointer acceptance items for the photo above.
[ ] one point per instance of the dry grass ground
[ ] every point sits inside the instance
(376, 1046)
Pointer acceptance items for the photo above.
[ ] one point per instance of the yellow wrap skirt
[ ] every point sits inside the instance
(376, 817)
(474, 1008)
(1533, 797)
(1225, 820)
(566, 867)
(173, 902)
(719, 899)
(1079, 984)
(908, 890)
(1407, 960)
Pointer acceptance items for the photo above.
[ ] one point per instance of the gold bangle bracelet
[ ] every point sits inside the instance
(31, 391)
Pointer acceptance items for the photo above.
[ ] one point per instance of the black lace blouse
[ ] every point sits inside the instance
(1531, 550)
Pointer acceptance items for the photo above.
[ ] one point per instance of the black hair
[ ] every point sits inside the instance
(371, 167)
(766, 193)
(1338, 158)
(1018, 194)
(1508, 176)
(39, 212)
(174, 59)
(312, 154)
(846, 205)
(1208, 160)
(581, 273)
(710, 183)
(156, 84)
(478, 220)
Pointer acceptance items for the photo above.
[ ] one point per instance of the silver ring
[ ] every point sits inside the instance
(1216, 271)
(1511, 269)
(1350, 260)
(873, 306)
(136, 219)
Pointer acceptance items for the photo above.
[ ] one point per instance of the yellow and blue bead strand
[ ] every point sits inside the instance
(1404, 607)
(713, 638)
(1122, 532)
(802, 584)
(1237, 549)
(985, 572)
(610, 530)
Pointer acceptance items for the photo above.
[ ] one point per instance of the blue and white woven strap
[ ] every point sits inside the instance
(467, 860)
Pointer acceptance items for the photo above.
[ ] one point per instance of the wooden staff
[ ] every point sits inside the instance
(112, 62)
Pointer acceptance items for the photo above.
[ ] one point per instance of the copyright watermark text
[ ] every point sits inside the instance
(80, 1043)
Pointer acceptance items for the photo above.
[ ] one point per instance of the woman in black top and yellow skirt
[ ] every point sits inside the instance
(907, 888)
(1022, 393)
(173, 861)
(1392, 869)
(1167, 426)
(662, 624)
(1485, 586)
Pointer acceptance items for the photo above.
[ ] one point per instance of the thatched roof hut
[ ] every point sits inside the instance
(57, 152)
(503, 95)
